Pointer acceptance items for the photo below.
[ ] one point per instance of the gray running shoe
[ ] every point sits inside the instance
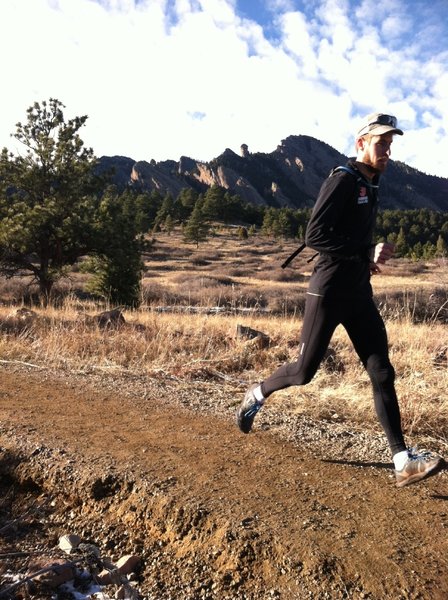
(249, 407)
(418, 466)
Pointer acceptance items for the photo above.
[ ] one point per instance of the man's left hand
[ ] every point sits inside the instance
(383, 252)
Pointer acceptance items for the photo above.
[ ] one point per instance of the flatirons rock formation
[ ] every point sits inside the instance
(289, 176)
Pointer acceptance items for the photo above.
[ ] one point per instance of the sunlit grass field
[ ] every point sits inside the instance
(175, 332)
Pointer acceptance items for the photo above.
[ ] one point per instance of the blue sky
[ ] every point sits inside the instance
(160, 79)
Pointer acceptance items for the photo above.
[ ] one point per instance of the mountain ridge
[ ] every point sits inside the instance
(289, 176)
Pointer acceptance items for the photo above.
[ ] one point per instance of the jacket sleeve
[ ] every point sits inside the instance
(325, 231)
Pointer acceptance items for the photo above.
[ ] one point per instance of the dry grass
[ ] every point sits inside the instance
(236, 274)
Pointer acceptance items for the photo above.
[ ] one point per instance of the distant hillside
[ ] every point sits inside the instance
(290, 176)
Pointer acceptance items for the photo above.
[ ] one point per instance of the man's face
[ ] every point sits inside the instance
(374, 151)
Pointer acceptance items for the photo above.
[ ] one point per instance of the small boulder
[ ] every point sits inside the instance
(127, 564)
(110, 318)
(69, 542)
(55, 571)
(256, 338)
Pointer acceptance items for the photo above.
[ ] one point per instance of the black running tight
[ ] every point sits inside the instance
(365, 327)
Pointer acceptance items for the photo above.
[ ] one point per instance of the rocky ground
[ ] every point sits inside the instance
(155, 468)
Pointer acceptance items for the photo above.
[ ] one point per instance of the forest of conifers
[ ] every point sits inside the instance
(419, 233)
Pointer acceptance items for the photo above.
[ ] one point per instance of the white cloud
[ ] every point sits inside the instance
(297, 40)
(162, 78)
(395, 26)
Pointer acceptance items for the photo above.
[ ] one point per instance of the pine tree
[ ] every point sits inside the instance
(167, 208)
(196, 228)
(269, 219)
(214, 203)
(48, 197)
(401, 245)
(441, 247)
(116, 264)
(168, 224)
(185, 204)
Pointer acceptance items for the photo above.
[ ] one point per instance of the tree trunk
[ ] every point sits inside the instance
(45, 287)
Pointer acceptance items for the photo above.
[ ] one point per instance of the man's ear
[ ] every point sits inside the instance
(360, 143)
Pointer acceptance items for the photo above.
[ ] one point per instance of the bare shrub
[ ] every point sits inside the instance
(202, 281)
(156, 293)
(18, 321)
(13, 290)
(245, 270)
(199, 261)
(408, 268)
(207, 257)
(418, 305)
(286, 302)
(238, 271)
(281, 275)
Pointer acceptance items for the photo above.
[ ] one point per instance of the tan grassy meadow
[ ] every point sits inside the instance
(244, 278)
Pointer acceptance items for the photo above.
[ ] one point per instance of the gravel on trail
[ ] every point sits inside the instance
(155, 467)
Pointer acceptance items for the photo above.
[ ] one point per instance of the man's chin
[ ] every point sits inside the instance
(379, 166)
(374, 169)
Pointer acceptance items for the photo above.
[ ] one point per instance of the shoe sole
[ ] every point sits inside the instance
(423, 475)
(244, 430)
(242, 419)
(244, 427)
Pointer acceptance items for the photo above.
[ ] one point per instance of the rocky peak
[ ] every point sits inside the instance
(290, 176)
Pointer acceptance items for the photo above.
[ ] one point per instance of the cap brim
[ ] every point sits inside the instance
(380, 129)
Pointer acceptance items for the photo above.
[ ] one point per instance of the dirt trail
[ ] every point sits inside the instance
(215, 513)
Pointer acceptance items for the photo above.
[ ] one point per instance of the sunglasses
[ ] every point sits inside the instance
(385, 120)
(380, 120)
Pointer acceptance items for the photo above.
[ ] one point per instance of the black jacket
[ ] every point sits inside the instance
(341, 230)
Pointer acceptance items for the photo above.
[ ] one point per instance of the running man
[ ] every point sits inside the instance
(339, 293)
